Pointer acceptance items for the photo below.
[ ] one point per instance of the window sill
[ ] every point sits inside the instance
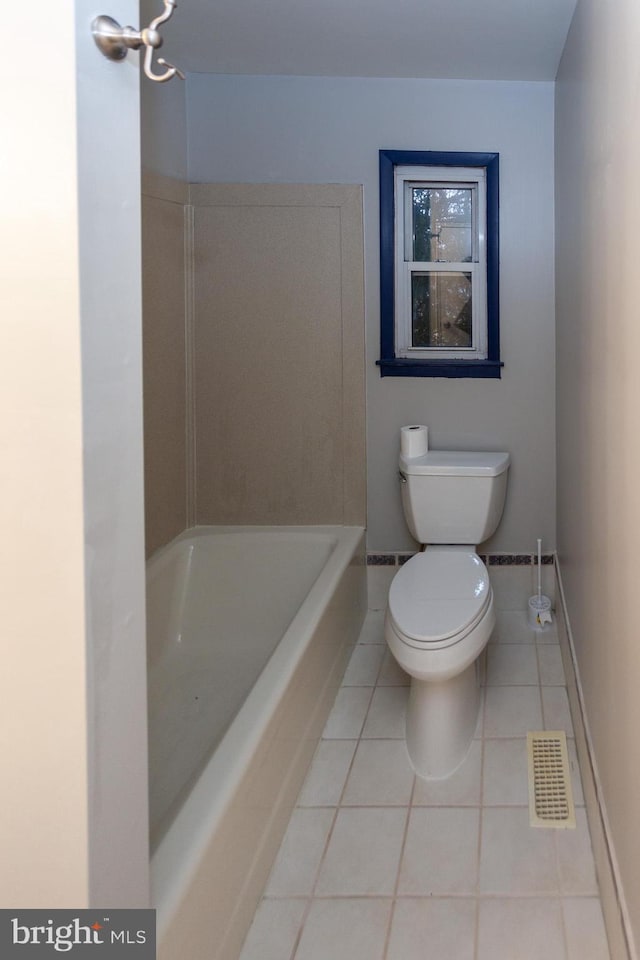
(485, 369)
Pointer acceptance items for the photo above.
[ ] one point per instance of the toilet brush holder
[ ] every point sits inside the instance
(539, 611)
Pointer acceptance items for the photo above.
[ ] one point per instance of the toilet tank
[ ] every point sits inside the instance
(454, 496)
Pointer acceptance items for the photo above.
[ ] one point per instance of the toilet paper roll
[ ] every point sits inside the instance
(414, 441)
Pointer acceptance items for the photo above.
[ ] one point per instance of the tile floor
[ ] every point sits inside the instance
(378, 864)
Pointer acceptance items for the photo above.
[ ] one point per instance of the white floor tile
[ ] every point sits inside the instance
(461, 789)
(353, 929)
(348, 713)
(549, 634)
(481, 666)
(512, 663)
(386, 717)
(328, 772)
(584, 926)
(296, 865)
(505, 774)
(432, 929)
(550, 664)
(373, 627)
(441, 851)
(575, 858)
(478, 734)
(364, 665)
(512, 586)
(363, 853)
(514, 857)
(512, 711)
(512, 626)
(527, 929)
(274, 931)
(381, 775)
(555, 706)
(392, 675)
(378, 583)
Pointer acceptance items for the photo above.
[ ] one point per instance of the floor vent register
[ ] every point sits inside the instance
(550, 794)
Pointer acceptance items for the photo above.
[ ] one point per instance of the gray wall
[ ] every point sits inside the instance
(323, 130)
(598, 388)
(163, 126)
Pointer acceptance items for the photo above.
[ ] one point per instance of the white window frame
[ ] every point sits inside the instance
(445, 176)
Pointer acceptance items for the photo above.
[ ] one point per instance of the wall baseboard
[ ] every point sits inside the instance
(614, 908)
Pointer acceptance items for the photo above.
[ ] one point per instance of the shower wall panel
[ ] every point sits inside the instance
(278, 354)
(163, 290)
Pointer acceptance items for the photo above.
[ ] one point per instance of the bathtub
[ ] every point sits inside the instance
(249, 631)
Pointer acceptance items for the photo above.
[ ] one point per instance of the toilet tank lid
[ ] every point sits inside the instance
(455, 463)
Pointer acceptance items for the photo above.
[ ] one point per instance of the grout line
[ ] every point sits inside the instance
(476, 930)
(301, 924)
(521, 895)
(409, 807)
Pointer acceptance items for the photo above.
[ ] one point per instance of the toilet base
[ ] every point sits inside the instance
(441, 721)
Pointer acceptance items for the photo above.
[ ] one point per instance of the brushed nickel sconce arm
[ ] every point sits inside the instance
(114, 41)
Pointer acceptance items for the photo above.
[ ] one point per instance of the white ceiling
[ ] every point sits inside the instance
(465, 39)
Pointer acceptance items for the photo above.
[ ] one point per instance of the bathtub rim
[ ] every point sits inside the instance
(179, 852)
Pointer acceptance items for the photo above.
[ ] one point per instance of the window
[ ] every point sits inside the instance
(439, 264)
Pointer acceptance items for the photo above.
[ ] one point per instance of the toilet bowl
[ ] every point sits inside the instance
(439, 618)
(440, 612)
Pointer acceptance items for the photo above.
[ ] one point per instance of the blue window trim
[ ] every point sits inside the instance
(390, 365)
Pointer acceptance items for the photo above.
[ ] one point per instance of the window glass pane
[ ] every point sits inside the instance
(442, 223)
(441, 310)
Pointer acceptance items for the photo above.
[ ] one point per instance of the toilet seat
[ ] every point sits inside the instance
(439, 596)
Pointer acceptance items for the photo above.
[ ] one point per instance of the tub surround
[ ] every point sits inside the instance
(261, 394)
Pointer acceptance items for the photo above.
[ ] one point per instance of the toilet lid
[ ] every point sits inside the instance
(437, 594)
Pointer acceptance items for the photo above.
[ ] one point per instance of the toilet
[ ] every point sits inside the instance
(440, 612)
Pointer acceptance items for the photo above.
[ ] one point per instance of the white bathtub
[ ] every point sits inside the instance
(249, 629)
